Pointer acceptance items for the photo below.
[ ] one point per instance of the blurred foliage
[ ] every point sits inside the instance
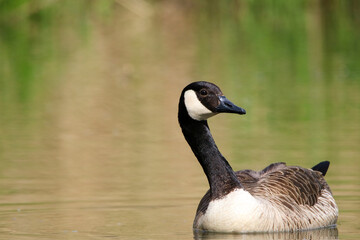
(35, 39)
(281, 34)
(274, 42)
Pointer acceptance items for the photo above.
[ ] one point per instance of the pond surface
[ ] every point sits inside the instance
(90, 147)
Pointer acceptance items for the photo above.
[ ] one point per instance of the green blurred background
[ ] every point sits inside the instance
(88, 107)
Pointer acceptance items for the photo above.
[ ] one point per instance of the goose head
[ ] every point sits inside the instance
(202, 100)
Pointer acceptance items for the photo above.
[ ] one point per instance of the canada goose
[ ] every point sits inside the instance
(278, 198)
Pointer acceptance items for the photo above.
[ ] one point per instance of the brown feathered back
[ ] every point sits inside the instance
(289, 185)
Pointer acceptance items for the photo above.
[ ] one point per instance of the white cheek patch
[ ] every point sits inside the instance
(195, 108)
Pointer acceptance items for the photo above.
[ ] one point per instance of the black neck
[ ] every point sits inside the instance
(219, 173)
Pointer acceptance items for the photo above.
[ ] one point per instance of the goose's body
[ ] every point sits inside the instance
(278, 198)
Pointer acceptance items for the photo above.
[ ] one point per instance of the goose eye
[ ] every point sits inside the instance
(203, 92)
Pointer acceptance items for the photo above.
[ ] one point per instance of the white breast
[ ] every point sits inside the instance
(239, 211)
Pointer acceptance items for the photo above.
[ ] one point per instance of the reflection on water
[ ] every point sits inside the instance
(326, 233)
(89, 141)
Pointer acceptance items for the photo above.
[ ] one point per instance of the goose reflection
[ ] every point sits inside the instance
(324, 233)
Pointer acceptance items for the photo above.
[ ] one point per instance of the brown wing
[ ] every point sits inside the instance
(286, 185)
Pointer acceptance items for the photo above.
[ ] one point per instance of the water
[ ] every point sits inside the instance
(90, 147)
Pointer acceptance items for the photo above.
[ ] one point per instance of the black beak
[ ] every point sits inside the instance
(226, 106)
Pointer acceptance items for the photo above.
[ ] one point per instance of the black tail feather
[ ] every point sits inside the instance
(321, 167)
